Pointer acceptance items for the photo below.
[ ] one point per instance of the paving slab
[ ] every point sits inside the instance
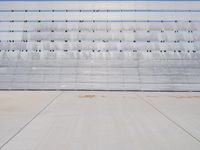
(183, 108)
(109, 120)
(17, 108)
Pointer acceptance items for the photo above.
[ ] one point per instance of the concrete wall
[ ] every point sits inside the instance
(100, 45)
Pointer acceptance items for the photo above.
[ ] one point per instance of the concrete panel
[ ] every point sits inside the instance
(100, 45)
(99, 120)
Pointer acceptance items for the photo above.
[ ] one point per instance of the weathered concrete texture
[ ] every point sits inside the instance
(17, 108)
(99, 120)
(107, 45)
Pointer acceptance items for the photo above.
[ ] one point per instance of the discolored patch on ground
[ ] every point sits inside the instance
(187, 97)
(177, 97)
(87, 96)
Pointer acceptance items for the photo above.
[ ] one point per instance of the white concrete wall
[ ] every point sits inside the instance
(108, 59)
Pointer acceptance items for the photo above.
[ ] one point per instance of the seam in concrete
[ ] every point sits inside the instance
(169, 119)
(34, 117)
(155, 91)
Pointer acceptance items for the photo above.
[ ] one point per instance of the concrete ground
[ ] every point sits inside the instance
(57, 120)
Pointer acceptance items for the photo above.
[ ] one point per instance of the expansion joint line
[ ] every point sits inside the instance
(34, 117)
(169, 119)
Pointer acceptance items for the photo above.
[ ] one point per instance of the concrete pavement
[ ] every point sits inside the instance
(49, 120)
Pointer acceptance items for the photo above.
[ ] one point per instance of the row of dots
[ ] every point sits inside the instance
(52, 50)
(104, 41)
(100, 10)
(106, 21)
(120, 31)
